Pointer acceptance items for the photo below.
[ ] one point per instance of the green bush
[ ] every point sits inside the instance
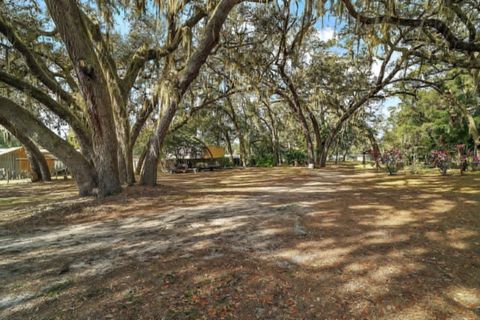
(292, 155)
(265, 160)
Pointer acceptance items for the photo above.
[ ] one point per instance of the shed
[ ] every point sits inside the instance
(15, 161)
(214, 152)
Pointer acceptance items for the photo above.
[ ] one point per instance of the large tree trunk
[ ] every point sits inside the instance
(274, 133)
(298, 112)
(181, 84)
(309, 143)
(472, 126)
(308, 139)
(276, 148)
(122, 163)
(295, 104)
(331, 138)
(124, 151)
(129, 166)
(23, 121)
(229, 146)
(36, 175)
(375, 149)
(318, 137)
(243, 151)
(276, 151)
(306, 133)
(336, 152)
(141, 160)
(149, 170)
(40, 160)
(324, 155)
(144, 114)
(78, 42)
(241, 140)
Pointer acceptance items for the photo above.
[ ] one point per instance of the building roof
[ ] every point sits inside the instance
(47, 154)
(8, 150)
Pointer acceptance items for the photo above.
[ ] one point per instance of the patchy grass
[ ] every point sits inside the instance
(279, 243)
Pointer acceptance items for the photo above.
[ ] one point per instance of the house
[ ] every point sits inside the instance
(210, 157)
(14, 161)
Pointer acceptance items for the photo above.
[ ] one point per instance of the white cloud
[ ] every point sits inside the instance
(376, 66)
(325, 34)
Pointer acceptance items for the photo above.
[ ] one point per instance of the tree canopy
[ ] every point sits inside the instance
(101, 83)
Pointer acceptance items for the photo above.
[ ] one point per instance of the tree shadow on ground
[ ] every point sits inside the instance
(268, 244)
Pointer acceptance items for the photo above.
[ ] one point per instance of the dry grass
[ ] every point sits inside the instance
(283, 243)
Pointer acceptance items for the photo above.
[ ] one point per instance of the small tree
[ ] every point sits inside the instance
(441, 160)
(392, 160)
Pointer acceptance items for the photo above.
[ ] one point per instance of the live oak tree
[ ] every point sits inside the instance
(445, 33)
(433, 117)
(176, 83)
(82, 84)
(261, 82)
(321, 87)
(90, 116)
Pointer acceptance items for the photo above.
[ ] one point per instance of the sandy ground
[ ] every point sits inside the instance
(282, 243)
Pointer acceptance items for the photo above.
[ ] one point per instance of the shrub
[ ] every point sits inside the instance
(475, 162)
(292, 155)
(441, 160)
(264, 161)
(392, 160)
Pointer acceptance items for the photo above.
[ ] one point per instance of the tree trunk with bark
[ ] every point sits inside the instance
(295, 106)
(241, 139)
(180, 85)
(93, 85)
(36, 175)
(149, 170)
(40, 160)
(375, 149)
(141, 160)
(63, 108)
(229, 146)
(318, 137)
(336, 152)
(84, 174)
(274, 133)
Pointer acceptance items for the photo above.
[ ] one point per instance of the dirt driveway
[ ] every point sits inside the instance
(281, 243)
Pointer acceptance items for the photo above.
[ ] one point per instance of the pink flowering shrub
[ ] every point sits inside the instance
(441, 160)
(475, 161)
(392, 160)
